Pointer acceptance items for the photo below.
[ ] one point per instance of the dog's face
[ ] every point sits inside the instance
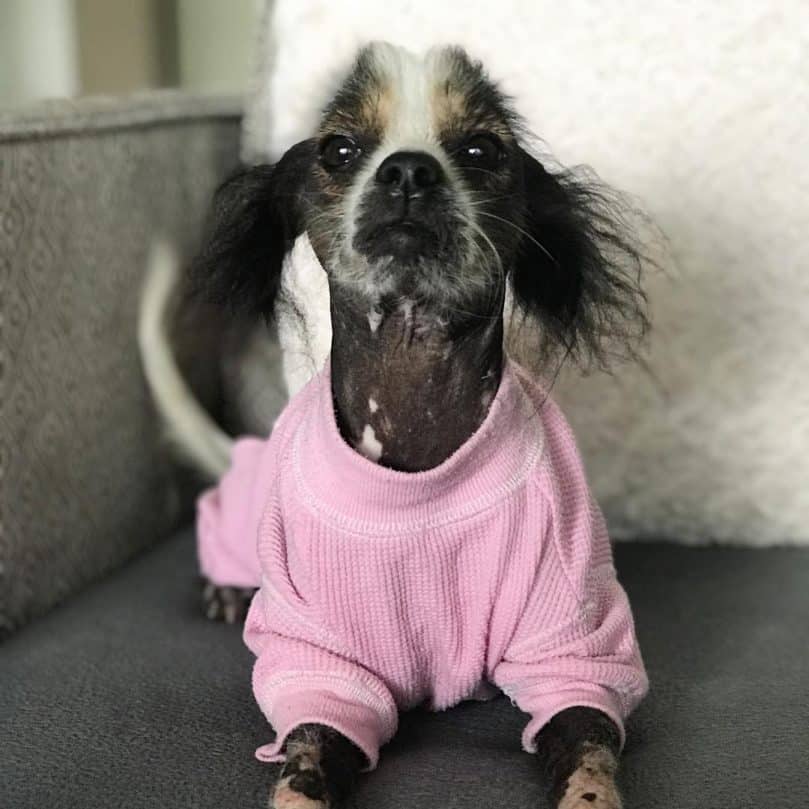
(417, 189)
(414, 189)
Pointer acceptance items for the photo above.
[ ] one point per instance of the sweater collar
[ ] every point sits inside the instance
(347, 488)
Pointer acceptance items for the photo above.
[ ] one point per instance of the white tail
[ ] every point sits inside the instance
(197, 437)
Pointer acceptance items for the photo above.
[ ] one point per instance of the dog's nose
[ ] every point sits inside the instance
(409, 173)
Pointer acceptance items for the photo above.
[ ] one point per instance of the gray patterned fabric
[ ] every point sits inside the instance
(128, 697)
(84, 189)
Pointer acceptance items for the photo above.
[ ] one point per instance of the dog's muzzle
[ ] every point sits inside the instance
(403, 209)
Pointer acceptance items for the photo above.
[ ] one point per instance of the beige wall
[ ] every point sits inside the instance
(37, 50)
(216, 42)
(119, 45)
(53, 48)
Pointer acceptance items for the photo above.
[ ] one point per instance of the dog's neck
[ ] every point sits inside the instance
(410, 388)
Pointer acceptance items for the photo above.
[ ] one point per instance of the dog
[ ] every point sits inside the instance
(436, 228)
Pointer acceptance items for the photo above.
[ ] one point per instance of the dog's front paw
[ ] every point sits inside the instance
(592, 796)
(592, 784)
(284, 796)
(302, 784)
(228, 604)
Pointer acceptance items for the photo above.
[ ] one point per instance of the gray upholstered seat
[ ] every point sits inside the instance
(126, 696)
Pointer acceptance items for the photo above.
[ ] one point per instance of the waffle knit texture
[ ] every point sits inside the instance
(382, 590)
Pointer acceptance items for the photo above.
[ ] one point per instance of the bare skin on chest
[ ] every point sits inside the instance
(410, 387)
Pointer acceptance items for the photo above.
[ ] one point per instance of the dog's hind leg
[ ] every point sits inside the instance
(578, 750)
(228, 604)
(320, 769)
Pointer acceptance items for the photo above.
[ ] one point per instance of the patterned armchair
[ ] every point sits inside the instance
(84, 190)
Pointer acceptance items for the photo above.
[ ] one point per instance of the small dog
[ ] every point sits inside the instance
(426, 211)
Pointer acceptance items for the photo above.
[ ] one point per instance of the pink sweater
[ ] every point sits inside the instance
(381, 590)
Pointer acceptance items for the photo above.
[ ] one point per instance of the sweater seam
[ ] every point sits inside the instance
(301, 615)
(513, 648)
(469, 510)
(555, 542)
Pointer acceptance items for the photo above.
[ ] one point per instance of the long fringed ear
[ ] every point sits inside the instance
(577, 271)
(255, 218)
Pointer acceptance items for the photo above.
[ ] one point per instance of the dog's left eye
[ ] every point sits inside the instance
(338, 151)
(480, 151)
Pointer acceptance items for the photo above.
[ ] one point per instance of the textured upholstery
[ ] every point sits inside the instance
(84, 188)
(126, 696)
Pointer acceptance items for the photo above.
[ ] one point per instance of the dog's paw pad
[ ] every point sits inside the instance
(228, 604)
(286, 797)
(592, 784)
(593, 797)
(302, 784)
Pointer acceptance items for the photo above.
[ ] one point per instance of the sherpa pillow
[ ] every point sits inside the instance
(700, 111)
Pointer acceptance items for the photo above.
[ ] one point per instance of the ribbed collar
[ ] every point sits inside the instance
(361, 496)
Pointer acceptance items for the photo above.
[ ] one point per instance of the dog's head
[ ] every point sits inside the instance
(416, 172)
(417, 187)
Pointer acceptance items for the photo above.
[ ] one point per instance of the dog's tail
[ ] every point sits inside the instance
(191, 430)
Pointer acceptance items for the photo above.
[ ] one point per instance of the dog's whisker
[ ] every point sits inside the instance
(482, 234)
(481, 170)
(488, 201)
(524, 233)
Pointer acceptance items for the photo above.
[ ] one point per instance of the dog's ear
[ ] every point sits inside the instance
(255, 218)
(577, 270)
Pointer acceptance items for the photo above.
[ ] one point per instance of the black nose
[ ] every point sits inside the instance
(409, 173)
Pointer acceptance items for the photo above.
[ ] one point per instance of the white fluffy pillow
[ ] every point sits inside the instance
(701, 110)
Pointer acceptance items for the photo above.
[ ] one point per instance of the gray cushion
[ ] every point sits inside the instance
(127, 696)
(85, 187)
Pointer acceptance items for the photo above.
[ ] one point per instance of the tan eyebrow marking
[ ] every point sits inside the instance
(455, 116)
(367, 111)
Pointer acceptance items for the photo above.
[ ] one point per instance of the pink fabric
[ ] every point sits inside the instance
(380, 590)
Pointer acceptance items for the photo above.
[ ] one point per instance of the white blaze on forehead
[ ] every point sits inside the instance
(411, 81)
(369, 446)
(373, 405)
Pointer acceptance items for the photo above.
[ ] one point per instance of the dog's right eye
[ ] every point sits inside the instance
(338, 151)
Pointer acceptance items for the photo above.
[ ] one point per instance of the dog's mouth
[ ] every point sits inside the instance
(405, 240)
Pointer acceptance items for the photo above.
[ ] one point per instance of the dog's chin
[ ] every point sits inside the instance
(404, 243)
(409, 259)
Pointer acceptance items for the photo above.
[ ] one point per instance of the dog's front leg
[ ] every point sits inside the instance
(320, 769)
(578, 750)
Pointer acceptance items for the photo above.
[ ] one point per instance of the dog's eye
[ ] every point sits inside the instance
(338, 150)
(480, 151)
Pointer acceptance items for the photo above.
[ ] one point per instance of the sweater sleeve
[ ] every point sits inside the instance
(300, 678)
(228, 516)
(229, 513)
(574, 643)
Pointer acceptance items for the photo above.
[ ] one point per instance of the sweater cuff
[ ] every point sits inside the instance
(358, 722)
(600, 699)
